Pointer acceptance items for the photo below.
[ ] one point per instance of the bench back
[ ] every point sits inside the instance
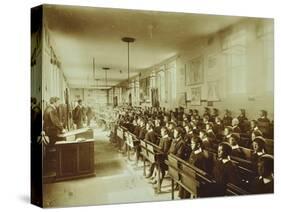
(120, 133)
(188, 176)
(269, 146)
(247, 153)
(129, 139)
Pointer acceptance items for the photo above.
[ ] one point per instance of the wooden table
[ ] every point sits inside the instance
(75, 159)
(86, 133)
(71, 157)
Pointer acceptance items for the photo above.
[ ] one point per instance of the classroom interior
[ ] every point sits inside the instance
(132, 66)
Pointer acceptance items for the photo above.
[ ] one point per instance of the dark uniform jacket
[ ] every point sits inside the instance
(136, 130)
(78, 116)
(198, 159)
(243, 123)
(218, 130)
(157, 130)
(52, 124)
(264, 126)
(177, 147)
(236, 129)
(225, 172)
(237, 152)
(165, 144)
(260, 187)
(212, 137)
(152, 137)
(206, 144)
(255, 159)
(227, 120)
(142, 133)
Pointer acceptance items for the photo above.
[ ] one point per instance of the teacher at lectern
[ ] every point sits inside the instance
(52, 125)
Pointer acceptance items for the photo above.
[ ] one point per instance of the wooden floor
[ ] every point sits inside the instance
(117, 181)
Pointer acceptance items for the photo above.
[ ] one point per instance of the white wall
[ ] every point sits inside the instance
(92, 97)
(53, 81)
(238, 59)
(249, 86)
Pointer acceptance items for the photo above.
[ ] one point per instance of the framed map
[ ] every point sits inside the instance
(194, 71)
(195, 96)
(213, 91)
(182, 99)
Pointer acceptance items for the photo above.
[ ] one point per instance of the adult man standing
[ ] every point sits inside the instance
(52, 125)
(78, 115)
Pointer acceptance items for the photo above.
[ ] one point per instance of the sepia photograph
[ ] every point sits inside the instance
(131, 106)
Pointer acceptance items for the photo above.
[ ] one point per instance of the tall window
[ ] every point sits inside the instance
(171, 81)
(160, 83)
(265, 33)
(234, 50)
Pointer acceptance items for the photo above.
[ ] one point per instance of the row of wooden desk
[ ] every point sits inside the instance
(197, 182)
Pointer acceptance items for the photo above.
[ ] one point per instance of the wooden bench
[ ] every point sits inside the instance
(244, 167)
(131, 142)
(247, 153)
(120, 133)
(233, 190)
(120, 137)
(197, 182)
(269, 146)
(192, 179)
(152, 154)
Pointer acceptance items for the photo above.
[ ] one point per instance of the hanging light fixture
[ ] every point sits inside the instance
(128, 40)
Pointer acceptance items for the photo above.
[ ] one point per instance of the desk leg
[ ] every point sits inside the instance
(128, 152)
(173, 189)
(144, 170)
(159, 178)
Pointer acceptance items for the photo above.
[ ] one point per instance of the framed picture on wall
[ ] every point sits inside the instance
(195, 96)
(182, 99)
(213, 91)
(194, 71)
(213, 65)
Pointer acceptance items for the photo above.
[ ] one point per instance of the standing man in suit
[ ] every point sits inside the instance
(89, 115)
(52, 125)
(78, 115)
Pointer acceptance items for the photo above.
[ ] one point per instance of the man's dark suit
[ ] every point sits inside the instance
(52, 124)
(78, 116)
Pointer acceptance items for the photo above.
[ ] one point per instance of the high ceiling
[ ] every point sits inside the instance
(83, 33)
